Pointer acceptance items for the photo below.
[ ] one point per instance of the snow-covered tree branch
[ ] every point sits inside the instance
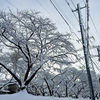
(31, 43)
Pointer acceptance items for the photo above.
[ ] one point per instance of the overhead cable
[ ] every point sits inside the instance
(71, 9)
(11, 4)
(63, 19)
(50, 14)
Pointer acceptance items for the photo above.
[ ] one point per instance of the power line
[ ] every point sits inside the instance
(71, 9)
(73, 4)
(49, 14)
(64, 19)
(60, 14)
(11, 4)
(95, 26)
(64, 14)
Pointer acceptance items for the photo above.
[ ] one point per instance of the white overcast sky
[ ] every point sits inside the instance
(47, 10)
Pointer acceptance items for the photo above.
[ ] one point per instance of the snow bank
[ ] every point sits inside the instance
(23, 95)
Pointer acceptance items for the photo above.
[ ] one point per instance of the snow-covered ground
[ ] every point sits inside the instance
(25, 96)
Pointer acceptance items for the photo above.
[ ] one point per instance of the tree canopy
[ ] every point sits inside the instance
(30, 43)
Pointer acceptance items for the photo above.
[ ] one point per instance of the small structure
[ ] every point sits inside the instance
(12, 87)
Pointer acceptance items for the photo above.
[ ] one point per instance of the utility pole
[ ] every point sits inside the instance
(86, 55)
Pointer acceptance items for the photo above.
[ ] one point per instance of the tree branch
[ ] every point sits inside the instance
(12, 74)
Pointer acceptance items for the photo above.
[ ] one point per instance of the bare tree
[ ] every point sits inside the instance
(31, 42)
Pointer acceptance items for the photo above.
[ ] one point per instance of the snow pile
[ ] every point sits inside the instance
(23, 95)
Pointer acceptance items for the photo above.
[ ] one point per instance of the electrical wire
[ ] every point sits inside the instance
(11, 4)
(64, 19)
(64, 14)
(95, 26)
(68, 20)
(73, 4)
(60, 14)
(71, 9)
(50, 14)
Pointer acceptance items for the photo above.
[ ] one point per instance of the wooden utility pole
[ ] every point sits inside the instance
(86, 55)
